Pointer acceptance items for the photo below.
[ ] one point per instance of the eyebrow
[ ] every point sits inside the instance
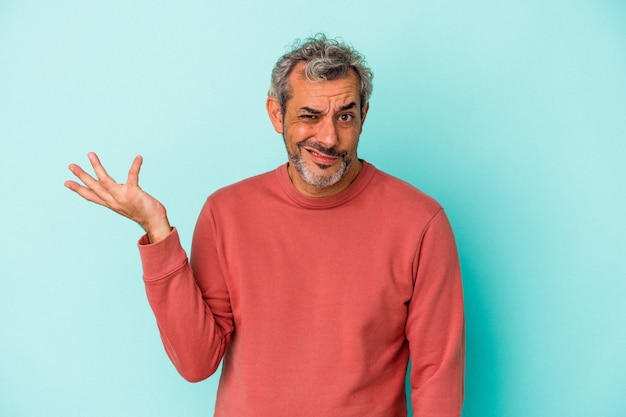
(310, 110)
(315, 111)
(348, 106)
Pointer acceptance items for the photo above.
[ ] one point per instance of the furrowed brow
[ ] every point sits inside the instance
(316, 111)
(348, 106)
(310, 110)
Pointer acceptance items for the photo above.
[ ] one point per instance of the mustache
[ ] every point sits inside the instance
(322, 149)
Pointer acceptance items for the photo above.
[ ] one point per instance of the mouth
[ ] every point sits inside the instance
(320, 157)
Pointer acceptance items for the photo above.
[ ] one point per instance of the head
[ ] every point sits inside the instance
(318, 101)
(325, 59)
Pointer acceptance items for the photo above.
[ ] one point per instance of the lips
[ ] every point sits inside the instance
(320, 158)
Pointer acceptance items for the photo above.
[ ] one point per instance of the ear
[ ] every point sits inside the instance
(275, 114)
(363, 114)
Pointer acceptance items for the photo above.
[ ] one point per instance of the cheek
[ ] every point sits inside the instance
(349, 140)
(298, 132)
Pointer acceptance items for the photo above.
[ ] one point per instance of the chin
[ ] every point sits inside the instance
(321, 176)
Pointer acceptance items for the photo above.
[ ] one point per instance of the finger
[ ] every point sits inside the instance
(84, 192)
(133, 172)
(101, 173)
(80, 173)
(93, 189)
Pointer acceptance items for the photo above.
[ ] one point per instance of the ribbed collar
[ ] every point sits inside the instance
(355, 188)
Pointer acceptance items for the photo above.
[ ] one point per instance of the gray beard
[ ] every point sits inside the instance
(319, 180)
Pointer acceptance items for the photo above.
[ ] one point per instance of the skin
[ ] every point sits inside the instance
(127, 199)
(320, 127)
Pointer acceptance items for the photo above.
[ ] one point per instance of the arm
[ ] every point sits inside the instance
(194, 337)
(435, 326)
(192, 310)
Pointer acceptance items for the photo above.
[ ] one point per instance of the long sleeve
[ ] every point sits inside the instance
(195, 327)
(324, 295)
(435, 326)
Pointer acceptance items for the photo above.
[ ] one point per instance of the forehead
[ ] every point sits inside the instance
(341, 90)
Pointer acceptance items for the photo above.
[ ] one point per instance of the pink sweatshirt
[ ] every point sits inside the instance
(315, 305)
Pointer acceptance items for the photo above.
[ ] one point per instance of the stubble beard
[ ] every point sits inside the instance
(319, 180)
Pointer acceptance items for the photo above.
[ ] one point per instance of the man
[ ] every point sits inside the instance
(314, 282)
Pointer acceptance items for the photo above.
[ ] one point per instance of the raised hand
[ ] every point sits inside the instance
(128, 199)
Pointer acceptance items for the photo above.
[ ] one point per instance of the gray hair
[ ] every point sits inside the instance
(326, 59)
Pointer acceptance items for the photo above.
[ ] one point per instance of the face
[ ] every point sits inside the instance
(321, 127)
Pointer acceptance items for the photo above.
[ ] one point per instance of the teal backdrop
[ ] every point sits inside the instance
(511, 113)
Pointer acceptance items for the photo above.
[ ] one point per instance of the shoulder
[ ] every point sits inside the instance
(395, 192)
(244, 195)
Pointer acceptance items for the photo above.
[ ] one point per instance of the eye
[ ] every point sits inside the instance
(346, 117)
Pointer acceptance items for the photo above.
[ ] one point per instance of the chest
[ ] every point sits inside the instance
(303, 270)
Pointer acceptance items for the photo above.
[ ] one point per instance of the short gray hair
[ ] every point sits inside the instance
(326, 59)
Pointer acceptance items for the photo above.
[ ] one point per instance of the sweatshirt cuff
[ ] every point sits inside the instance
(161, 258)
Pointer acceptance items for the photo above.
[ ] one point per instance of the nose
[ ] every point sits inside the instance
(327, 133)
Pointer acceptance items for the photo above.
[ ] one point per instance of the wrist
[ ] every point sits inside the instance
(158, 230)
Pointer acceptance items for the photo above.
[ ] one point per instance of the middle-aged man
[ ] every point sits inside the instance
(315, 282)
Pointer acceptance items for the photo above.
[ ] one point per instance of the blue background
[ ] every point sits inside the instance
(512, 114)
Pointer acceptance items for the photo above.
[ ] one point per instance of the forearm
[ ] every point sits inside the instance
(190, 333)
